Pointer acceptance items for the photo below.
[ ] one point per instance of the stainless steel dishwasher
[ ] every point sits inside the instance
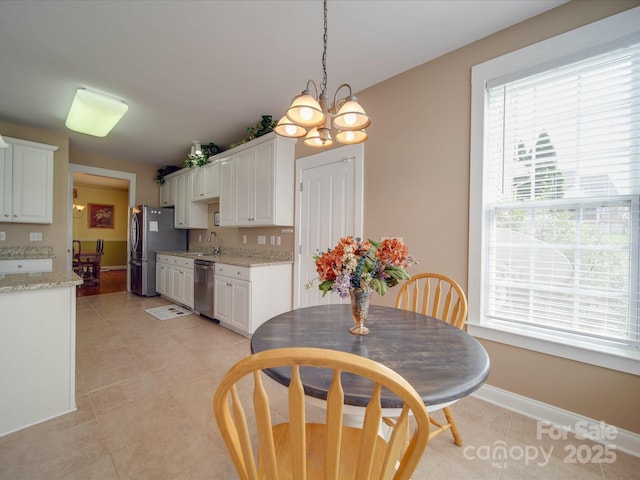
(203, 273)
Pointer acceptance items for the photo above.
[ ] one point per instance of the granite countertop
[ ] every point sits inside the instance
(239, 257)
(25, 252)
(12, 282)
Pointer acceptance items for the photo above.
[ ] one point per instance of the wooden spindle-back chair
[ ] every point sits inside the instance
(297, 449)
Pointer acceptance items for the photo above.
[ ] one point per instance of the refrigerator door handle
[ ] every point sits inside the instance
(135, 232)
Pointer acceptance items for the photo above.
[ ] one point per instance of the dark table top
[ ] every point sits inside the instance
(442, 362)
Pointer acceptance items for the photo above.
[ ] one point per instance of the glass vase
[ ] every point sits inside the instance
(359, 310)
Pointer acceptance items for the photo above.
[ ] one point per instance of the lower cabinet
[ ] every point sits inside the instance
(246, 297)
(174, 278)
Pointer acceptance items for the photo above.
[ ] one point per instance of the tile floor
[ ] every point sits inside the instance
(144, 390)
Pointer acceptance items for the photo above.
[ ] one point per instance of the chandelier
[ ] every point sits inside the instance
(312, 114)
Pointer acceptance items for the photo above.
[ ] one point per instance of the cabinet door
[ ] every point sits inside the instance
(227, 191)
(160, 278)
(177, 280)
(211, 180)
(168, 192)
(32, 196)
(244, 185)
(167, 279)
(241, 304)
(222, 299)
(6, 155)
(264, 184)
(182, 201)
(196, 177)
(188, 287)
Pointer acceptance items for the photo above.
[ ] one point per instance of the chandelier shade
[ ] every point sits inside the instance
(351, 116)
(287, 128)
(350, 137)
(318, 138)
(314, 111)
(305, 111)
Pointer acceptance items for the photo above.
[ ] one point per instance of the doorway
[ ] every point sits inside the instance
(105, 177)
(329, 205)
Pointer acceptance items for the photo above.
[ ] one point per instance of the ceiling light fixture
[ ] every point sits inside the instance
(94, 113)
(314, 112)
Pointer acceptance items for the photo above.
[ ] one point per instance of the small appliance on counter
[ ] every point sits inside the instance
(151, 230)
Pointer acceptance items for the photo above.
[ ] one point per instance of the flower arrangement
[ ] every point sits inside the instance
(366, 265)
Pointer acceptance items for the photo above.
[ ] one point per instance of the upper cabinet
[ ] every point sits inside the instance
(257, 183)
(205, 182)
(26, 177)
(188, 214)
(168, 192)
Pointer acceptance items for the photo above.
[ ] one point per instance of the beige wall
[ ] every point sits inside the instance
(55, 235)
(417, 187)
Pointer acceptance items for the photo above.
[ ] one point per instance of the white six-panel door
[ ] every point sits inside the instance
(329, 205)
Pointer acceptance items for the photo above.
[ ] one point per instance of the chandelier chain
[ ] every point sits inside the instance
(323, 86)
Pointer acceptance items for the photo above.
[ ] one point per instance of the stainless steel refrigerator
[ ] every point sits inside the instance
(151, 230)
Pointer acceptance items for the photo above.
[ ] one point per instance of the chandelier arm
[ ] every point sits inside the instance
(315, 87)
(338, 103)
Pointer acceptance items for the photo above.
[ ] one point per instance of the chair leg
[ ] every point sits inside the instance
(457, 438)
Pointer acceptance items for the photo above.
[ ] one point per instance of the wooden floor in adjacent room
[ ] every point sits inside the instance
(111, 281)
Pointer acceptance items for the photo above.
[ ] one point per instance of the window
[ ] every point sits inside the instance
(554, 223)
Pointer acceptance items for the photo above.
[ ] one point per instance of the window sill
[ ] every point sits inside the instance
(623, 360)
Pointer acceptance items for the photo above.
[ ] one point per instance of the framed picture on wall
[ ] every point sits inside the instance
(101, 216)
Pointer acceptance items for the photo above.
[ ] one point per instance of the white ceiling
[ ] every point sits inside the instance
(206, 70)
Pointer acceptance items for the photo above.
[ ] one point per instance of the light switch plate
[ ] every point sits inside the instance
(35, 236)
(262, 240)
(3, 236)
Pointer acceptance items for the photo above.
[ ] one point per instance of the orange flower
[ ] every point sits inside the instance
(393, 252)
(329, 265)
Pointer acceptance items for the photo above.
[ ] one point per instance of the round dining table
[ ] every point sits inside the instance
(442, 362)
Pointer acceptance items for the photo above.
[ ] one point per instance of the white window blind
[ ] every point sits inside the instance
(561, 198)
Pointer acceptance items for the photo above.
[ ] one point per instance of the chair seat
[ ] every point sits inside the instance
(317, 438)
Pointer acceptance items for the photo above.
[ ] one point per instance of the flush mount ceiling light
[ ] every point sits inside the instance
(94, 113)
(314, 112)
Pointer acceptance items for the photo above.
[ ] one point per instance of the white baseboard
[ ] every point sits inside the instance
(625, 441)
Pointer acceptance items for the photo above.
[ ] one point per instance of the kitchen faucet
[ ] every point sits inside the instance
(216, 248)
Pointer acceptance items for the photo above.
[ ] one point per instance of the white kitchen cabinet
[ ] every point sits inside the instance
(246, 297)
(26, 178)
(227, 179)
(232, 297)
(174, 278)
(37, 356)
(257, 187)
(188, 214)
(205, 182)
(168, 192)
(26, 265)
